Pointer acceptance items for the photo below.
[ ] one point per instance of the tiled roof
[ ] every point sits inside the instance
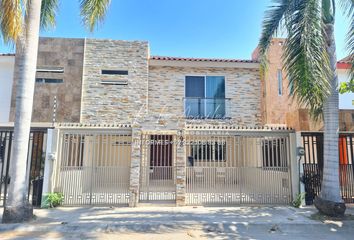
(7, 54)
(201, 59)
(347, 59)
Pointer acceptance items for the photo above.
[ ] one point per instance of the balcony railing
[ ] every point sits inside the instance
(206, 108)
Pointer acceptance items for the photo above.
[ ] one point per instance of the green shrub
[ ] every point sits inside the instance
(54, 199)
(298, 200)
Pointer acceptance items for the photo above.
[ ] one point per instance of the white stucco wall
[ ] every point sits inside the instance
(346, 99)
(6, 78)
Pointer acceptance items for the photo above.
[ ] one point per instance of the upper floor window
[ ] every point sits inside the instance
(205, 97)
(280, 82)
(114, 72)
(49, 80)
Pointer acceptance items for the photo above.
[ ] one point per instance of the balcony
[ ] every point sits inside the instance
(206, 108)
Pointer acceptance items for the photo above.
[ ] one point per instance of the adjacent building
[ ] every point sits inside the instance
(278, 107)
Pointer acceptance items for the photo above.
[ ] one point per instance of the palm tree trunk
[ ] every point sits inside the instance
(329, 200)
(17, 207)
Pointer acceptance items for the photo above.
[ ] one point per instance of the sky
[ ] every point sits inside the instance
(180, 28)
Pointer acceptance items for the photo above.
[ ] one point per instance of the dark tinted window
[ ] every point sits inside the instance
(114, 72)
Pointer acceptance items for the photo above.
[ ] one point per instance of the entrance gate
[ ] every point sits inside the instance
(158, 172)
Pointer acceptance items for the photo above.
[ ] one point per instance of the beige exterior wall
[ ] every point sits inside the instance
(57, 52)
(167, 92)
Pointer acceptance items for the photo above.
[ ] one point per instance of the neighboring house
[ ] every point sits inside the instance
(7, 62)
(279, 108)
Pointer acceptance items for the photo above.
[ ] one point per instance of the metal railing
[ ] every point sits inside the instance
(313, 165)
(208, 108)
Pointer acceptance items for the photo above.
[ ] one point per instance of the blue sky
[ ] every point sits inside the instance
(188, 28)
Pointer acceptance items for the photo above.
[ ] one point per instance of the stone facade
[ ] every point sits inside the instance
(242, 86)
(57, 53)
(109, 103)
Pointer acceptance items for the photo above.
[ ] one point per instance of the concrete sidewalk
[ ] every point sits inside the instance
(179, 223)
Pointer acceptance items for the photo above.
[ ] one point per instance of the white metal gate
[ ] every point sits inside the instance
(158, 172)
(237, 167)
(93, 166)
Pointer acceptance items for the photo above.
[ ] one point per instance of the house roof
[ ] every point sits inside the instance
(345, 63)
(223, 60)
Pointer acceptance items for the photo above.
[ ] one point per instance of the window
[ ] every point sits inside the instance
(209, 152)
(49, 80)
(50, 69)
(205, 96)
(114, 72)
(280, 82)
(274, 153)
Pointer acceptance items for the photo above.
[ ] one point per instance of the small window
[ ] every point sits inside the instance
(50, 69)
(49, 80)
(280, 82)
(114, 72)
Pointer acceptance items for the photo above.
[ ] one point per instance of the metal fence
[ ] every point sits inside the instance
(237, 167)
(158, 171)
(313, 165)
(35, 163)
(93, 166)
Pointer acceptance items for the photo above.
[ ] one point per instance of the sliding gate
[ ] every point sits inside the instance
(237, 167)
(93, 166)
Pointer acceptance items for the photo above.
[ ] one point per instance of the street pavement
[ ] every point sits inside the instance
(155, 222)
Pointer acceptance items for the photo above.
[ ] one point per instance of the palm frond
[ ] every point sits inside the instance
(348, 8)
(305, 56)
(93, 12)
(48, 13)
(11, 19)
(271, 24)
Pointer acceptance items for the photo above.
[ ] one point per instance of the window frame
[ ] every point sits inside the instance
(205, 89)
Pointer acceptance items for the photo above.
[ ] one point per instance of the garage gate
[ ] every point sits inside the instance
(237, 167)
(93, 166)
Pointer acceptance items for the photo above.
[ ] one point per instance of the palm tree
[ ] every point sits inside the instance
(20, 22)
(310, 62)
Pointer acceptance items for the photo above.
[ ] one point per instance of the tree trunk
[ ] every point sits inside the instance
(17, 207)
(329, 200)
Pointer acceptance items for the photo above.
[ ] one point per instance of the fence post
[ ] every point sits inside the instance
(51, 156)
(299, 143)
(135, 166)
(294, 166)
(180, 170)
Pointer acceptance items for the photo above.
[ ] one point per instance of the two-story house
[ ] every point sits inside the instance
(132, 127)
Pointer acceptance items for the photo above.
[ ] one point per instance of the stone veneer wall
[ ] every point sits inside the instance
(57, 52)
(167, 92)
(103, 103)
